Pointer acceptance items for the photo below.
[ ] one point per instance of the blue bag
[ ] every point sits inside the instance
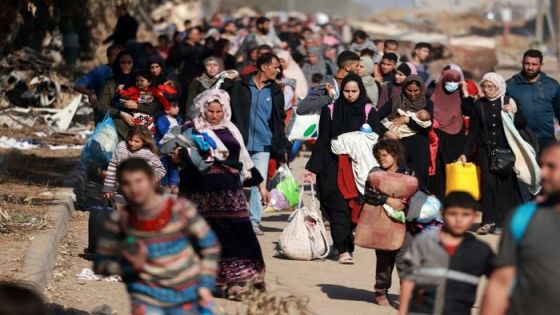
(101, 144)
(521, 219)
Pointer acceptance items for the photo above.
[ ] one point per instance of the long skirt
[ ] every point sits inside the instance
(242, 261)
(227, 212)
(418, 156)
(499, 194)
(449, 149)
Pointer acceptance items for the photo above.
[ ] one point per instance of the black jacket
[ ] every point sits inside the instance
(241, 108)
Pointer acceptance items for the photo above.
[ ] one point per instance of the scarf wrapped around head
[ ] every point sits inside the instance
(403, 103)
(207, 81)
(201, 124)
(293, 71)
(498, 81)
(447, 105)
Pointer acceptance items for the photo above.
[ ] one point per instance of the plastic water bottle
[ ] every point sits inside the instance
(366, 128)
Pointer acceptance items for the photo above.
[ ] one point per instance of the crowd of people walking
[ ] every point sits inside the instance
(207, 118)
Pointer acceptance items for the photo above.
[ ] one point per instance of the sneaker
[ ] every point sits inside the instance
(257, 229)
(485, 229)
(382, 299)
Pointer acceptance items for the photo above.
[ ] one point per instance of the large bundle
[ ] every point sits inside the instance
(376, 229)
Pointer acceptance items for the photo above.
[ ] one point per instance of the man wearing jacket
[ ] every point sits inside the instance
(538, 95)
(257, 105)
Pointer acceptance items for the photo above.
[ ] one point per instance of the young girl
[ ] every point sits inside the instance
(139, 144)
(152, 242)
(391, 157)
(143, 93)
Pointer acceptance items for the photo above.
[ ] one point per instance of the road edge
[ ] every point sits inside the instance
(42, 253)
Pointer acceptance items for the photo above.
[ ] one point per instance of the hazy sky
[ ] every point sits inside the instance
(377, 5)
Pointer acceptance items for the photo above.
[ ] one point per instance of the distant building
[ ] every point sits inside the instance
(522, 9)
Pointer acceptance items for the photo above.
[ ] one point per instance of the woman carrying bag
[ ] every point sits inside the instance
(218, 192)
(348, 114)
(500, 191)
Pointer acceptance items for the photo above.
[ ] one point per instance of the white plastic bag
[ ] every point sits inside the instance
(305, 237)
(303, 127)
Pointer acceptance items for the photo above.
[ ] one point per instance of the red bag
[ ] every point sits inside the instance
(375, 228)
(377, 231)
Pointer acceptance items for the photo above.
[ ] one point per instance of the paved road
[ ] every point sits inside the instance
(331, 288)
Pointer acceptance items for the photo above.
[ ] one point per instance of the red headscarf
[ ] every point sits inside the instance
(447, 106)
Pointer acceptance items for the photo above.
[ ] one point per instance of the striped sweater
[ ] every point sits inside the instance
(173, 271)
(121, 154)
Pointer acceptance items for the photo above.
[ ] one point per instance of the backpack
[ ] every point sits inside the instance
(305, 237)
(520, 220)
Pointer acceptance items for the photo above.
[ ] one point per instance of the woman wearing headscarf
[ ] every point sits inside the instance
(365, 70)
(314, 63)
(123, 74)
(160, 75)
(500, 191)
(291, 70)
(415, 140)
(450, 98)
(394, 87)
(218, 192)
(211, 77)
(349, 113)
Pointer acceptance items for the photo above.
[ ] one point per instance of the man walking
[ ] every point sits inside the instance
(538, 96)
(420, 56)
(347, 62)
(527, 278)
(258, 111)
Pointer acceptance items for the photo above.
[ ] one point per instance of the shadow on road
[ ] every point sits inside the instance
(340, 292)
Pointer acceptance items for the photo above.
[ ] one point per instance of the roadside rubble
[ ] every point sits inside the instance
(33, 96)
(38, 103)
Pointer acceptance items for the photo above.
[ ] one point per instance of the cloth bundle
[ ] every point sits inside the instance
(199, 145)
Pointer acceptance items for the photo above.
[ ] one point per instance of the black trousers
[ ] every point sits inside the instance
(386, 261)
(341, 221)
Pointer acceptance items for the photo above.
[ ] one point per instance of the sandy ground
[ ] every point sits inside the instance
(331, 288)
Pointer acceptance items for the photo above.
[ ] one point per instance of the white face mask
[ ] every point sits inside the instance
(451, 86)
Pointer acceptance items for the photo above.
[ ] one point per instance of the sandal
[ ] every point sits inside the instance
(345, 259)
(485, 229)
(236, 292)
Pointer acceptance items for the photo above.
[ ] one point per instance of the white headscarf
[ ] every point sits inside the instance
(293, 71)
(201, 124)
(501, 87)
(498, 81)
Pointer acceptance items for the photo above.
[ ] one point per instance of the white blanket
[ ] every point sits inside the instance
(526, 166)
(359, 146)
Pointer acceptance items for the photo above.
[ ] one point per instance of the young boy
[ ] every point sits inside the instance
(151, 243)
(165, 122)
(444, 267)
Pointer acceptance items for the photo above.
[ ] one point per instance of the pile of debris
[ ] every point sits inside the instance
(34, 97)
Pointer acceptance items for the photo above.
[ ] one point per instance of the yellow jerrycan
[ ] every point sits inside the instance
(462, 177)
